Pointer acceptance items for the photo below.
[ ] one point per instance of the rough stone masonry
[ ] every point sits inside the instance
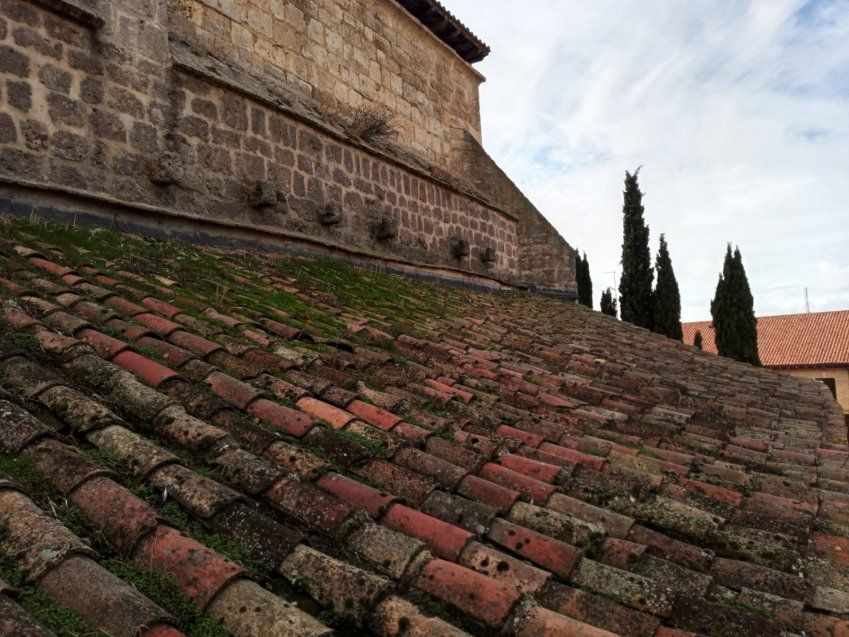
(235, 121)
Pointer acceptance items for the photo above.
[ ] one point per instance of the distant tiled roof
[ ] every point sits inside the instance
(792, 340)
(447, 28)
(197, 440)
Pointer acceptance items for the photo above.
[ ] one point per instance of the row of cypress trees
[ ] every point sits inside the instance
(659, 309)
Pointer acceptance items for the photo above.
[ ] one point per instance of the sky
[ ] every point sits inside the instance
(738, 113)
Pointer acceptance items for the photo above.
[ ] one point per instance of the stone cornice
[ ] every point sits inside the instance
(84, 11)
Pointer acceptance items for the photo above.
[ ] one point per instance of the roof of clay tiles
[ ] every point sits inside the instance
(198, 441)
(448, 28)
(791, 340)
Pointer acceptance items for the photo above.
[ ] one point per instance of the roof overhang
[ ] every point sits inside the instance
(449, 29)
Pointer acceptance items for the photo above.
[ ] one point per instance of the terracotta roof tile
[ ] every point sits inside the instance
(374, 501)
(490, 493)
(292, 422)
(199, 572)
(482, 597)
(534, 466)
(115, 607)
(553, 555)
(334, 416)
(445, 540)
(791, 340)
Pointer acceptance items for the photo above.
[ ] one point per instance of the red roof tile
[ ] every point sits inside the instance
(199, 572)
(445, 540)
(335, 417)
(292, 422)
(482, 597)
(611, 479)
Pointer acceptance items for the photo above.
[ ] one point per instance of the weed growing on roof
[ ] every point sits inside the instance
(436, 608)
(445, 434)
(226, 546)
(376, 447)
(529, 378)
(23, 472)
(146, 351)
(388, 344)
(610, 438)
(163, 591)
(594, 452)
(51, 501)
(264, 298)
(22, 340)
(157, 587)
(738, 604)
(644, 451)
(174, 512)
(314, 347)
(63, 620)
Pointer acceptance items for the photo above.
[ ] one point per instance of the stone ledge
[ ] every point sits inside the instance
(84, 11)
(23, 198)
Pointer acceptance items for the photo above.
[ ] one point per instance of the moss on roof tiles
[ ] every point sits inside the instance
(582, 384)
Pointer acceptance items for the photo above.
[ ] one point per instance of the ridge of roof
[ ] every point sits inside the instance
(243, 424)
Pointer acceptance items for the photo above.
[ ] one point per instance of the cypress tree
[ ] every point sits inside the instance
(637, 274)
(697, 340)
(608, 303)
(734, 323)
(667, 299)
(579, 276)
(584, 281)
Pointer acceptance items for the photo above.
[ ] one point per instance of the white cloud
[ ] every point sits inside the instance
(738, 111)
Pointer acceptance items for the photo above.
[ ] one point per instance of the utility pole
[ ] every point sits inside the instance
(807, 304)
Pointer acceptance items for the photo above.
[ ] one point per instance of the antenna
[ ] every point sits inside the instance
(807, 304)
(615, 283)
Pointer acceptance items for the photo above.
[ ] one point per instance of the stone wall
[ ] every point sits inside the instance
(839, 374)
(347, 55)
(105, 102)
(546, 260)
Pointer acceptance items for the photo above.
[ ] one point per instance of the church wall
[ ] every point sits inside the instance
(123, 104)
(346, 55)
(113, 113)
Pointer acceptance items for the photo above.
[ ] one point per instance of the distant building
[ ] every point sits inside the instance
(814, 345)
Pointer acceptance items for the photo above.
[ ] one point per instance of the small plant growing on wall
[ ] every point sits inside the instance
(373, 125)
